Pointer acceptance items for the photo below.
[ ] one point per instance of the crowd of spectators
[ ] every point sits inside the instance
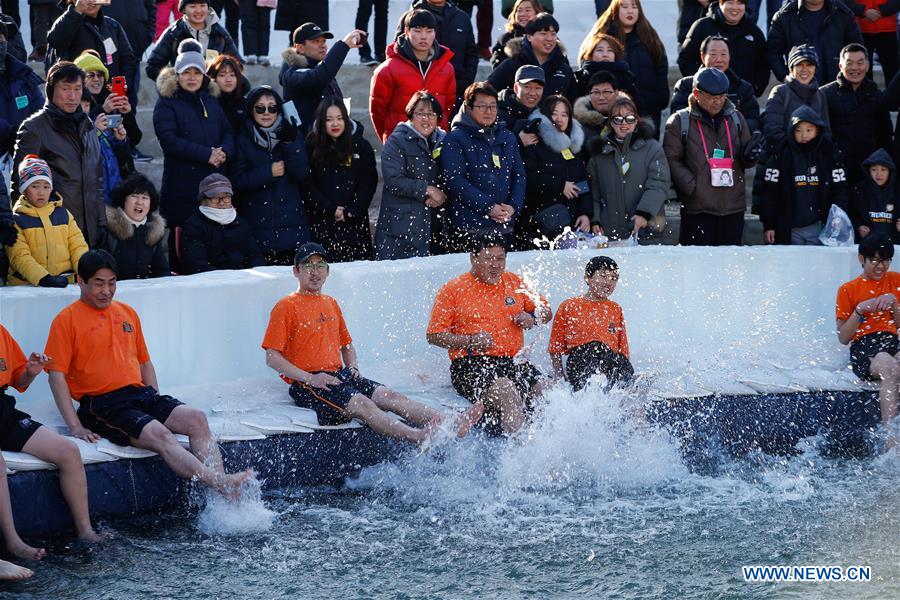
(548, 142)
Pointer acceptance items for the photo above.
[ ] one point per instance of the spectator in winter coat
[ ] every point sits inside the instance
(20, 95)
(412, 199)
(625, 20)
(228, 73)
(826, 25)
(730, 20)
(309, 72)
(193, 132)
(43, 13)
(627, 200)
(860, 123)
(541, 48)
(712, 188)
(555, 180)
(415, 61)
(592, 110)
(114, 148)
(523, 12)
(689, 12)
(877, 20)
(483, 168)
(63, 135)
(341, 184)
(15, 46)
(198, 23)
(49, 242)
(604, 53)
(515, 105)
(214, 237)
(800, 88)
(874, 200)
(269, 169)
(803, 178)
(714, 52)
(136, 231)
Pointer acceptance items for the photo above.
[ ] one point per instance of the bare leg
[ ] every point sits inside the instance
(387, 399)
(886, 367)
(52, 447)
(502, 395)
(11, 572)
(14, 543)
(192, 423)
(367, 411)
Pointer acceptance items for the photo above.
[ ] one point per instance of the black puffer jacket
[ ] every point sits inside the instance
(498, 52)
(140, 250)
(454, 30)
(139, 21)
(619, 69)
(307, 82)
(740, 93)
(788, 30)
(210, 246)
(73, 33)
(783, 100)
(558, 74)
(873, 206)
(510, 110)
(166, 50)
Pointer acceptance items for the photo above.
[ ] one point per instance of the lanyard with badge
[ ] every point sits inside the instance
(721, 169)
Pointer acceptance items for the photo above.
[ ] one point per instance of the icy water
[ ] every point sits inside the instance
(589, 505)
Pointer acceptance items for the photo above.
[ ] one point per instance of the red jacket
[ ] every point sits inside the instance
(886, 24)
(399, 77)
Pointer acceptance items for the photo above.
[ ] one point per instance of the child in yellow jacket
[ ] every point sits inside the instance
(49, 242)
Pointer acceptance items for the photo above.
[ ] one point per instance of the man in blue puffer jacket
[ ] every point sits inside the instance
(482, 165)
(20, 94)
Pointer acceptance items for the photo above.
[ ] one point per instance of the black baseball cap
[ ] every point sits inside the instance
(307, 251)
(310, 31)
(600, 263)
(528, 73)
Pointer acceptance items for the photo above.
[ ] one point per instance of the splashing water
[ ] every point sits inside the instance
(247, 514)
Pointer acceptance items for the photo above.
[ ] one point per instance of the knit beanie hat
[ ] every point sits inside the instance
(213, 185)
(88, 62)
(190, 54)
(183, 3)
(31, 169)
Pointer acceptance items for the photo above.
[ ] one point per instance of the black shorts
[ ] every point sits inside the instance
(16, 427)
(123, 413)
(329, 404)
(863, 350)
(473, 375)
(596, 357)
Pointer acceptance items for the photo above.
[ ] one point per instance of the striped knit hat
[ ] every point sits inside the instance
(33, 168)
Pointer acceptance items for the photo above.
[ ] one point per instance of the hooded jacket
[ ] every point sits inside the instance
(788, 30)
(307, 82)
(408, 167)
(620, 69)
(454, 31)
(558, 75)
(689, 164)
(20, 97)
(783, 100)
(618, 192)
(73, 33)
(498, 51)
(49, 242)
(510, 110)
(188, 125)
(402, 75)
(210, 246)
(351, 186)
(746, 46)
(139, 250)
(475, 182)
(166, 50)
(801, 183)
(875, 206)
(740, 93)
(271, 206)
(69, 144)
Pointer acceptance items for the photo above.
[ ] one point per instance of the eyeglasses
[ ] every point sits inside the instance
(261, 110)
(425, 115)
(486, 107)
(883, 262)
(314, 266)
(619, 119)
(596, 93)
(223, 199)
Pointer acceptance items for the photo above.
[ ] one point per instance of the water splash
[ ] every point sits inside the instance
(247, 514)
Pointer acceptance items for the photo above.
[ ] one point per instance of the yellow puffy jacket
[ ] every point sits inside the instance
(49, 242)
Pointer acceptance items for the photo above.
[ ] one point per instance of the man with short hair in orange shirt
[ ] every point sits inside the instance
(480, 317)
(99, 358)
(308, 344)
(590, 329)
(867, 315)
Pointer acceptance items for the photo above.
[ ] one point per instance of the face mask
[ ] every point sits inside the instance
(222, 216)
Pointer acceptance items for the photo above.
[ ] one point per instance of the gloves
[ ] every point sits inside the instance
(753, 149)
(8, 233)
(53, 281)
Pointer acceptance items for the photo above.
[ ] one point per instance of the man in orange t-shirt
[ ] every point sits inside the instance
(480, 317)
(99, 358)
(867, 312)
(308, 344)
(590, 329)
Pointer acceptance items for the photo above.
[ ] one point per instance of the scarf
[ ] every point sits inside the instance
(222, 216)
(267, 137)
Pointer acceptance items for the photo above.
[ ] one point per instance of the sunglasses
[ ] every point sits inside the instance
(261, 110)
(629, 119)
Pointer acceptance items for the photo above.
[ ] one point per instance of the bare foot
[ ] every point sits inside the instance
(11, 572)
(231, 483)
(890, 443)
(90, 536)
(468, 419)
(22, 550)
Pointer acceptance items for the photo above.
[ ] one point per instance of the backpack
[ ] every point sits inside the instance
(684, 115)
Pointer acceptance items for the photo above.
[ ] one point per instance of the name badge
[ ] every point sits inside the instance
(21, 102)
(211, 54)
(109, 46)
(436, 152)
(567, 154)
(718, 153)
(721, 172)
(625, 167)
(496, 160)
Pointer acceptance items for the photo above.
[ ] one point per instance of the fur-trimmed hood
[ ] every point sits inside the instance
(294, 59)
(514, 47)
(606, 143)
(118, 225)
(585, 114)
(555, 139)
(167, 84)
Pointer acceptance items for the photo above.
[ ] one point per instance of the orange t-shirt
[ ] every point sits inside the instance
(12, 360)
(99, 351)
(309, 331)
(466, 306)
(579, 321)
(853, 292)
